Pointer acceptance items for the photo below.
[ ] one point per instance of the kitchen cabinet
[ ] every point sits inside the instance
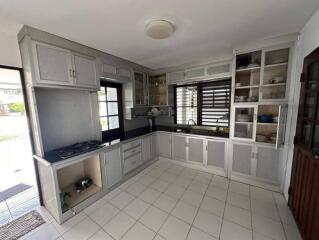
(146, 149)
(245, 118)
(132, 155)
(242, 158)
(157, 90)
(113, 166)
(179, 147)
(59, 66)
(53, 65)
(164, 144)
(195, 149)
(140, 88)
(216, 153)
(154, 149)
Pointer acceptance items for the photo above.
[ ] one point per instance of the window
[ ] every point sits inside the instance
(207, 104)
(110, 106)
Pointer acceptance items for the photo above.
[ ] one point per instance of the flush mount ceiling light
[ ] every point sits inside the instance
(159, 29)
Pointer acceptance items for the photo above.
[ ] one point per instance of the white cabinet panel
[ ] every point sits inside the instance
(132, 162)
(216, 153)
(179, 148)
(146, 149)
(164, 145)
(106, 68)
(242, 156)
(113, 167)
(154, 151)
(268, 166)
(85, 71)
(195, 150)
(53, 65)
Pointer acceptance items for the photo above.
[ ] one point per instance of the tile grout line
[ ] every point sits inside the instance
(221, 226)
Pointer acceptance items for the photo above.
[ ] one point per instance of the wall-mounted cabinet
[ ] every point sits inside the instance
(157, 90)
(58, 66)
(140, 88)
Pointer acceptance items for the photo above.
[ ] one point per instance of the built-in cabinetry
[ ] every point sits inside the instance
(113, 166)
(58, 66)
(140, 88)
(147, 149)
(179, 147)
(132, 157)
(157, 90)
(164, 141)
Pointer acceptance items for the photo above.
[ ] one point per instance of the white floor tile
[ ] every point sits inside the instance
(239, 188)
(213, 205)
(153, 218)
(202, 178)
(81, 231)
(126, 184)
(62, 228)
(258, 236)
(168, 177)
(238, 215)
(155, 173)
(159, 185)
(101, 235)
(220, 182)
(104, 214)
(192, 198)
(188, 173)
(146, 180)
(286, 216)
(198, 187)
(159, 237)
(238, 200)
(292, 233)
(47, 232)
(119, 225)
(175, 169)
(232, 231)
(208, 223)
(122, 200)
(149, 195)
(166, 203)
(185, 212)
(174, 229)
(265, 208)
(262, 194)
(196, 234)
(175, 191)
(136, 208)
(183, 181)
(268, 227)
(218, 193)
(112, 194)
(94, 206)
(139, 232)
(136, 189)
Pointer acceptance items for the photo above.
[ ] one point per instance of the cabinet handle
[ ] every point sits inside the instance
(71, 73)
(74, 73)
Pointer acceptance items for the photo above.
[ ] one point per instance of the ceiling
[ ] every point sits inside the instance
(205, 29)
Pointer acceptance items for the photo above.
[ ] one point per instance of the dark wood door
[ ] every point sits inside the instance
(304, 187)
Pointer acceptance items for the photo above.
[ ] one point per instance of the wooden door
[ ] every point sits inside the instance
(85, 71)
(304, 186)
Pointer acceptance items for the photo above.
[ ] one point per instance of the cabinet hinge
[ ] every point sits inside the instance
(302, 77)
(289, 190)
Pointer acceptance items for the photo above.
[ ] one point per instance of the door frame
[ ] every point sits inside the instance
(27, 112)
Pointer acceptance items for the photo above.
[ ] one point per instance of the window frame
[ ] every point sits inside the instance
(199, 101)
(117, 133)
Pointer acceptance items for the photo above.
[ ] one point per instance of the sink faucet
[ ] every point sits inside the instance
(192, 120)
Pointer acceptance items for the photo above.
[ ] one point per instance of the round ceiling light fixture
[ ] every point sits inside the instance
(159, 29)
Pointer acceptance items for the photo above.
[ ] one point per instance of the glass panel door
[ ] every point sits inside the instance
(245, 122)
(139, 88)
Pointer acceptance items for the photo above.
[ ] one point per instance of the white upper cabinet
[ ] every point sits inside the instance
(85, 71)
(53, 65)
(174, 77)
(59, 66)
(106, 68)
(195, 73)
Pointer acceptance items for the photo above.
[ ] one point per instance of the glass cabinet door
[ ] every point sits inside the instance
(139, 88)
(244, 126)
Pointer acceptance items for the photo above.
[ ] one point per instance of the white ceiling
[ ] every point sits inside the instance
(205, 29)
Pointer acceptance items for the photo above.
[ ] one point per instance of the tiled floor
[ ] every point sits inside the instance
(171, 202)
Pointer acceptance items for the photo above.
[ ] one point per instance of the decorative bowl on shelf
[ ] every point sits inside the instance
(265, 118)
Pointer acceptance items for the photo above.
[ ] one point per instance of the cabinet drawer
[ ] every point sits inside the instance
(131, 144)
(132, 151)
(132, 163)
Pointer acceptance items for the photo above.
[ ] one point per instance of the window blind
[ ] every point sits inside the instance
(186, 104)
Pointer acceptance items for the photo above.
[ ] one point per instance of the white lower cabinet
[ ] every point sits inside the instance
(164, 144)
(216, 153)
(196, 149)
(179, 148)
(132, 162)
(146, 149)
(113, 166)
(262, 163)
(154, 151)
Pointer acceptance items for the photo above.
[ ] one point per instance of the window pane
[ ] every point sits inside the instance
(184, 114)
(111, 94)
(104, 124)
(101, 94)
(114, 122)
(112, 108)
(103, 110)
(309, 107)
(306, 132)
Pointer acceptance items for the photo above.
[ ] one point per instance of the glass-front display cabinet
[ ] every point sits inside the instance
(157, 90)
(140, 87)
(244, 127)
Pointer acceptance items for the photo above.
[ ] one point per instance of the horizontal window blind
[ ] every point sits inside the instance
(215, 103)
(186, 104)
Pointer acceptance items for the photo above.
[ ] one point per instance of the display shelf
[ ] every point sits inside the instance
(248, 69)
(276, 65)
(238, 122)
(247, 87)
(267, 124)
(274, 85)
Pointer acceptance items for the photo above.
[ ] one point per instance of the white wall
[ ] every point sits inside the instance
(309, 40)
(9, 49)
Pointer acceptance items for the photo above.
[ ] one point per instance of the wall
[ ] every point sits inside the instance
(309, 40)
(9, 48)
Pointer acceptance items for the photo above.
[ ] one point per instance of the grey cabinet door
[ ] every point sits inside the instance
(195, 150)
(179, 148)
(242, 156)
(164, 145)
(146, 149)
(216, 153)
(53, 65)
(268, 164)
(113, 165)
(85, 71)
(154, 146)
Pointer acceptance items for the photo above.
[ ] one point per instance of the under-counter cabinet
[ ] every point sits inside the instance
(164, 144)
(195, 149)
(217, 154)
(132, 157)
(179, 147)
(58, 66)
(146, 148)
(113, 166)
